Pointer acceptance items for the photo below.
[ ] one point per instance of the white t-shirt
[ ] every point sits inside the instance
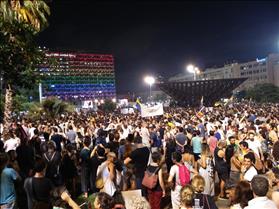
(31, 132)
(261, 203)
(145, 136)
(248, 176)
(11, 144)
(174, 171)
(255, 146)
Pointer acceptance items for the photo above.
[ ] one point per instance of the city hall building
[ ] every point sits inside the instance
(78, 76)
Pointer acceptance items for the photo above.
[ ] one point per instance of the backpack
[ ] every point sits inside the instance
(184, 175)
(150, 179)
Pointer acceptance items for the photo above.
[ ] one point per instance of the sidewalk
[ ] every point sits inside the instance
(222, 204)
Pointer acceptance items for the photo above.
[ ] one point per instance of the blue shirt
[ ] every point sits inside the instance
(217, 135)
(196, 142)
(7, 189)
(202, 130)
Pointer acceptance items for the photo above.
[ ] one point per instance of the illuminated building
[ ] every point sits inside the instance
(257, 71)
(78, 76)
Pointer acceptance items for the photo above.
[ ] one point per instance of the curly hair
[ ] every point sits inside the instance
(187, 194)
(198, 183)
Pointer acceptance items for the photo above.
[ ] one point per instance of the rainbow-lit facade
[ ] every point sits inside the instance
(78, 76)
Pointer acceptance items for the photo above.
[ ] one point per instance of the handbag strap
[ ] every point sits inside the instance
(154, 173)
(207, 201)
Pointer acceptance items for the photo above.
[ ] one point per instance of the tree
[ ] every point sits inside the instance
(107, 106)
(49, 109)
(263, 93)
(20, 21)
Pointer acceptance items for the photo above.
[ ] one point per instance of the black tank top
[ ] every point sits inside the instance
(220, 163)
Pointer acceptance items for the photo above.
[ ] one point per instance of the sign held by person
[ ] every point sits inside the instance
(152, 110)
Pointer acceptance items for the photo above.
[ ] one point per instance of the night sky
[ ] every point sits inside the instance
(160, 38)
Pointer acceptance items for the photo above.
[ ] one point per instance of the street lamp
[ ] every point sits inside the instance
(150, 81)
(193, 69)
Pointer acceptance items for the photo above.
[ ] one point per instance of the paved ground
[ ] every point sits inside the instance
(222, 204)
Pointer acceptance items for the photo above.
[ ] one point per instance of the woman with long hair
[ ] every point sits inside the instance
(221, 166)
(207, 170)
(242, 194)
(155, 194)
(52, 159)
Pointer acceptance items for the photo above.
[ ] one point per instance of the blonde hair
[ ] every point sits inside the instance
(111, 154)
(222, 144)
(206, 150)
(187, 194)
(198, 183)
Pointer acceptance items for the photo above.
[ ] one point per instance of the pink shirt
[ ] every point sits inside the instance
(212, 141)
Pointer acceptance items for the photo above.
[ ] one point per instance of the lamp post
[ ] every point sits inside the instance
(150, 81)
(193, 69)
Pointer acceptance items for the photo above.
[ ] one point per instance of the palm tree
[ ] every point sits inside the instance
(19, 22)
(50, 109)
(33, 12)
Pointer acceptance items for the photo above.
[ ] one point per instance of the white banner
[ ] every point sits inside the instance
(152, 111)
(127, 110)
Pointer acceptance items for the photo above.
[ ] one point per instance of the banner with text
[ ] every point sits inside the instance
(152, 111)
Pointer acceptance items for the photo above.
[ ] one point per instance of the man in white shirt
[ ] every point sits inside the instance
(260, 186)
(255, 145)
(248, 171)
(144, 133)
(31, 130)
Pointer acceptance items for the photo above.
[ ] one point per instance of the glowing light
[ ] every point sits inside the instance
(149, 80)
(191, 68)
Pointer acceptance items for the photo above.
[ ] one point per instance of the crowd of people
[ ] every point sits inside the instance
(185, 158)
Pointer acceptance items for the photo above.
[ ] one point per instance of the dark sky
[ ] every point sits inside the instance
(161, 37)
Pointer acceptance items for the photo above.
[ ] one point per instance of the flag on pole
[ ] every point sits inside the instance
(138, 104)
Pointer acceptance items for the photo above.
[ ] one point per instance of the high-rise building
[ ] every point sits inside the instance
(78, 76)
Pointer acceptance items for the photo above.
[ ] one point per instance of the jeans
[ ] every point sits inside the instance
(139, 186)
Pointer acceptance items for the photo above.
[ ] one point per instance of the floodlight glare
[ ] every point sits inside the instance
(149, 80)
(191, 68)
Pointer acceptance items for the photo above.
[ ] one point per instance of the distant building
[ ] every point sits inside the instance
(258, 71)
(78, 76)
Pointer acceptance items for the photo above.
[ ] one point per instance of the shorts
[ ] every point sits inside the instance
(197, 156)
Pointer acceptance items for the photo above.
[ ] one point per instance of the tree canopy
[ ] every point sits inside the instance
(263, 93)
(19, 23)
